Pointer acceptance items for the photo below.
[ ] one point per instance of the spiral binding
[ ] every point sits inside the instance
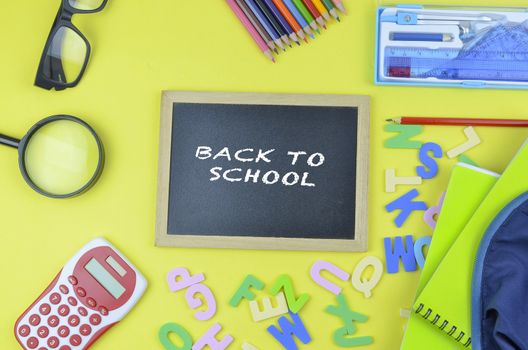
(444, 326)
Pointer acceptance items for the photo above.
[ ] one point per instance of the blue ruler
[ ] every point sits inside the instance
(500, 54)
(449, 64)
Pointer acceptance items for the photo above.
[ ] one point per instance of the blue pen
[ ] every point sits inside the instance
(410, 36)
(265, 23)
(298, 17)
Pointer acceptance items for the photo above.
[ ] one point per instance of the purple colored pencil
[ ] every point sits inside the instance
(281, 20)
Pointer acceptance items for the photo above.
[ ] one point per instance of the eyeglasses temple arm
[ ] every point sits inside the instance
(9, 141)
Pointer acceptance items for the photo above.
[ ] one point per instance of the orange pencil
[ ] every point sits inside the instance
(289, 18)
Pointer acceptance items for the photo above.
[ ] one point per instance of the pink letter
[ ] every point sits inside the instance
(209, 339)
(197, 302)
(180, 278)
(319, 266)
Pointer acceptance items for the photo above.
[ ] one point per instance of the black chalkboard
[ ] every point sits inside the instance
(243, 171)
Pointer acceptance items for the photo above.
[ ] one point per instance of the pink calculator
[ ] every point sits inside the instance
(92, 293)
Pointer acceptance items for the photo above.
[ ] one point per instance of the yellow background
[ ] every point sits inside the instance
(141, 47)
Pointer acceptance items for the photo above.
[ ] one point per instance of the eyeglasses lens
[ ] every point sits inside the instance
(87, 5)
(65, 57)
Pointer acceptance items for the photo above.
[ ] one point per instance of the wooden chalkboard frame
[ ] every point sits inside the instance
(359, 243)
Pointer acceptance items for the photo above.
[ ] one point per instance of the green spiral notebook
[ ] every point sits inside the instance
(446, 299)
(468, 186)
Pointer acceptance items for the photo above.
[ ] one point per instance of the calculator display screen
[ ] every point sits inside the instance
(105, 279)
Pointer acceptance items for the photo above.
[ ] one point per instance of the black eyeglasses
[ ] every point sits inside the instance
(67, 50)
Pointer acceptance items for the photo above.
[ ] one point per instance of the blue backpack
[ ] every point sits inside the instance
(500, 282)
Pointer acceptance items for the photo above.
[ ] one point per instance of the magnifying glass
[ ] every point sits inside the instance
(60, 157)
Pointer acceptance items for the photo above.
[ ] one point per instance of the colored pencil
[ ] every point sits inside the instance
(315, 12)
(289, 17)
(282, 21)
(252, 31)
(298, 17)
(331, 8)
(322, 9)
(306, 14)
(265, 23)
(340, 6)
(459, 121)
(254, 21)
(283, 34)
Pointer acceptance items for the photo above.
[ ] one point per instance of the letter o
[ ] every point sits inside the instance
(312, 157)
(265, 178)
(295, 178)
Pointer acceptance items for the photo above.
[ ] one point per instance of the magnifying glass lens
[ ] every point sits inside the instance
(61, 157)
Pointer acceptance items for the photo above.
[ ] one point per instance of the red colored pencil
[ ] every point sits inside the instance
(315, 12)
(459, 121)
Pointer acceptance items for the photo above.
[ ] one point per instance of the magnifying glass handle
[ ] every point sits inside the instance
(9, 141)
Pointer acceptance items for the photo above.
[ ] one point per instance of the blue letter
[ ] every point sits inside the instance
(428, 161)
(405, 253)
(289, 330)
(406, 205)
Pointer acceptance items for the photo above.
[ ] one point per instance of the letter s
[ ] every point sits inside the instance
(216, 172)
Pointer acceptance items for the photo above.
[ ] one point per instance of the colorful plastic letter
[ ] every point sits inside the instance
(247, 346)
(195, 303)
(429, 215)
(405, 132)
(168, 328)
(319, 266)
(289, 330)
(465, 159)
(342, 310)
(406, 205)
(180, 278)
(405, 313)
(418, 249)
(428, 161)
(284, 282)
(341, 339)
(345, 314)
(366, 286)
(244, 291)
(268, 310)
(391, 180)
(209, 339)
(472, 140)
(406, 253)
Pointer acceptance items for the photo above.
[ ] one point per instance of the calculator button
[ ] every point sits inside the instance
(32, 343)
(64, 289)
(53, 321)
(45, 309)
(34, 320)
(91, 302)
(103, 310)
(63, 331)
(24, 331)
(43, 331)
(85, 330)
(82, 311)
(95, 320)
(74, 320)
(55, 298)
(75, 340)
(64, 310)
(53, 342)
(81, 292)
(72, 301)
(65, 347)
(73, 280)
